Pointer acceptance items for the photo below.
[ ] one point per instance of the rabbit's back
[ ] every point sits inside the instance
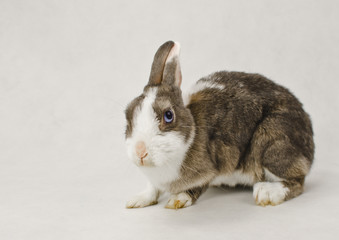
(239, 115)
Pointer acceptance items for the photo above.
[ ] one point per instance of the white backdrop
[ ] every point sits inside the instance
(68, 69)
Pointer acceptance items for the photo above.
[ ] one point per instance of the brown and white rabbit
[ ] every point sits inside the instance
(233, 128)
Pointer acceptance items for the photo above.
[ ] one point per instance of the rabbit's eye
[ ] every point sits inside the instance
(168, 116)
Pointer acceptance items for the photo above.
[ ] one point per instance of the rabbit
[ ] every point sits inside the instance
(232, 128)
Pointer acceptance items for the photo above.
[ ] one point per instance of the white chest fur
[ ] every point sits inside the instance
(237, 177)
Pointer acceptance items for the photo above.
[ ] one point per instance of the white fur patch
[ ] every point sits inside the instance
(266, 193)
(200, 86)
(146, 198)
(145, 127)
(169, 151)
(237, 177)
(166, 150)
(180, 200)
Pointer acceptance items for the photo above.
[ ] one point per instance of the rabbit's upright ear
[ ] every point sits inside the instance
(166, 66)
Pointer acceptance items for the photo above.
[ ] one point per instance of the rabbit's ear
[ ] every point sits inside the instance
(172, 71)
(165, 67)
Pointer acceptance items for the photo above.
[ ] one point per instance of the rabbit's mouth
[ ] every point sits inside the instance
(142, 159)
(145, 161)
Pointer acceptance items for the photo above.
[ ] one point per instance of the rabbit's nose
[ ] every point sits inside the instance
(140, 149)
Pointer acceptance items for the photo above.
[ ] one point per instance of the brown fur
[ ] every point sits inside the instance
(252, 124)
(129, 112)
(158, 65)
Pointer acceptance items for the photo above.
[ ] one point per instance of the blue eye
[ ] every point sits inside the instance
(168, 116)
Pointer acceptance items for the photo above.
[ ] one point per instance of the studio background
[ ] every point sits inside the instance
(68, 70)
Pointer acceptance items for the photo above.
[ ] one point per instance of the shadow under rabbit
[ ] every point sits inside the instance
(239, 192)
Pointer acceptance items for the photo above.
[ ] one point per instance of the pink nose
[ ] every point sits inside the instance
(140, 149)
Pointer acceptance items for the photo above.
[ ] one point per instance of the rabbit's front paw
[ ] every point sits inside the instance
(142, 200)
(180, 200)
